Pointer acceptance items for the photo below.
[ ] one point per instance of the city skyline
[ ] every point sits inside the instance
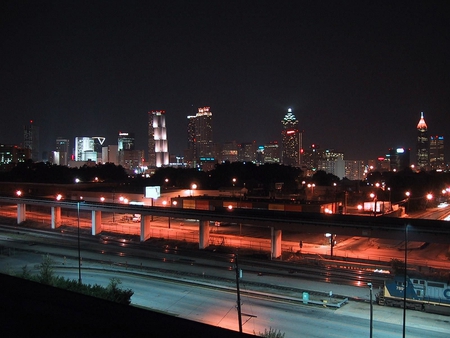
(356, 75)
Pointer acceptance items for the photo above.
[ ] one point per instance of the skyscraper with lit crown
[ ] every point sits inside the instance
(423, 145)
(291, 140)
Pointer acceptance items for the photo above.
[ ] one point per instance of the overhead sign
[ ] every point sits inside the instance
(153, 192)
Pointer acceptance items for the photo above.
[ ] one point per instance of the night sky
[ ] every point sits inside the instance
(357, 74)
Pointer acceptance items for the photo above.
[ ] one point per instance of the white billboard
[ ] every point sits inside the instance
(153, 192)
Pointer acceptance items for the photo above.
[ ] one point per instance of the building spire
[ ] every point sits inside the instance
(422, 125)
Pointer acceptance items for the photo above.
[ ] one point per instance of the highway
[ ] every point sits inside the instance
(195, 296)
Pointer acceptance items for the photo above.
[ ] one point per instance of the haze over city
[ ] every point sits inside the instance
(356, 74)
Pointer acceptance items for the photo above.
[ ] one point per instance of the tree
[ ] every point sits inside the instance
(45, 275)
(271, 333)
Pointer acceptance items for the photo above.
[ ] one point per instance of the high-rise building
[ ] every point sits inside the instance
(230, 152)
(355, 170)
(423, 145)
(271, 153)
(291, 140)
(84, 149)
(399, 158)
(158, 149)
(125, 141)
(31, 140)
(437, 160)
(10, 155)
(247, 152)
(332, 163)
(203, 133)
(200, 136)
(63, 151)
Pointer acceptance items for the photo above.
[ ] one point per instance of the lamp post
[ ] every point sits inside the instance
(374, 196)
(311, 185)
(429, 198)
(193, 187)
(371, 308)
(408, 194)
(79, 250)
(405, 281)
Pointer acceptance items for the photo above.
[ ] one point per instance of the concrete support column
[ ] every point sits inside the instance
(145, 227)
(96, 222)
(203, 241)
(56, 217)
(275, 236)
(21, 213)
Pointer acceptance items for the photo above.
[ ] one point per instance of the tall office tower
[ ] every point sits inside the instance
(247, 151)
(62, 148)
(291, 140)
(399, 158)
(230, 152)
(98, 145)
(203, 133)
(84, 149)
(31, 140)
(125, 141)
(354, 170)
(332, 163)
(158, 149)
(271, 152)
(423, 145)
(10, 155)
(190, 152)
(437, 161)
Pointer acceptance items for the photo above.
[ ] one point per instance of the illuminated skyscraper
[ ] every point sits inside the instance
(203, 133)
(31, 140)
(437, 160)
(399, 158)
(423, 145)
(84, 149)
(200, 136)
(291, 140)
(158, 149)
(125, 141)
(62, 150)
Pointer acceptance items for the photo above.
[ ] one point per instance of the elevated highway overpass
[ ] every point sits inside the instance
(433, 231)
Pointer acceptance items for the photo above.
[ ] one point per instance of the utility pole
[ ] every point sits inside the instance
(238, 273)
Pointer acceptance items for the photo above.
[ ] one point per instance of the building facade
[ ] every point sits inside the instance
(10, 155)
(158, 148)
(291, 140)
(399, 158)
(200, 137)
(423, 145)
(84, 149)
(437, 160)
(31, 140)
(125, 141)
(62, 151)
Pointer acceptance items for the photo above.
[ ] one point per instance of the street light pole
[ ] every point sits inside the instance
(405, 281)
(371, 308)
(79, 250)
(238, 272)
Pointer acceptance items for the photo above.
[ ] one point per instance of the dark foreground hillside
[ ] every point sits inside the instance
(32, 309)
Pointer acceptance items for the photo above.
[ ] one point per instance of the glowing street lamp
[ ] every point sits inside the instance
(408, 194)
(58, 197)
(234, 181)
(374, 197)
(193, 187)
(19, 193)
(311, 186)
